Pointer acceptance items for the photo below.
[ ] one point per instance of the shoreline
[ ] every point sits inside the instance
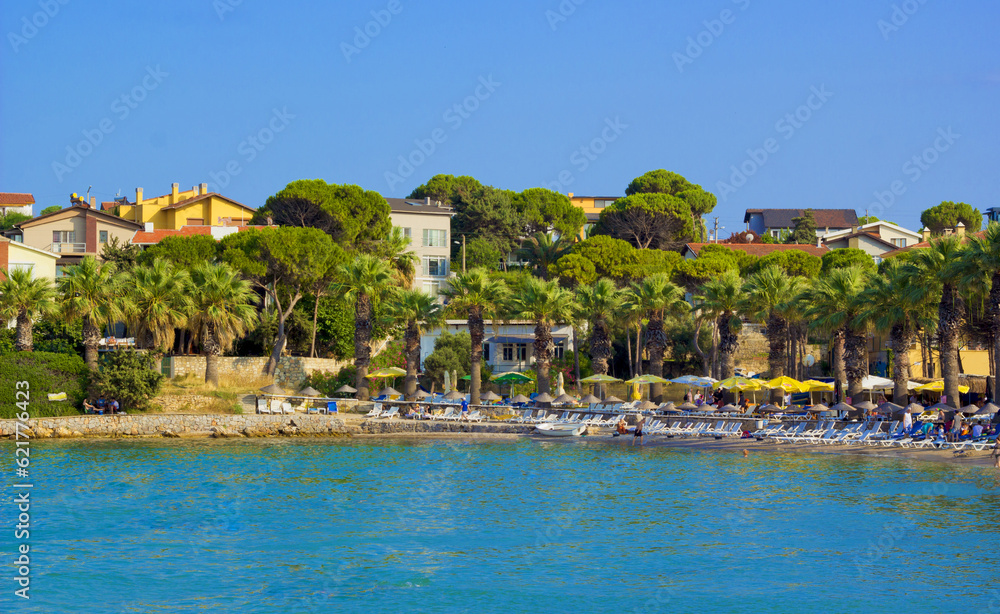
(357, 426)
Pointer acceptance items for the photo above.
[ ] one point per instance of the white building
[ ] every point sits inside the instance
(16, 202)
(428, 226)
(507, 346)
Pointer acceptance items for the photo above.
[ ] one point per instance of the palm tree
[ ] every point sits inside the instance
(395, 249)
(96, 293)
(365, 280)
(546, 303)
(25, 299)
(160, 302)
(476, 294)
(657, 297)
(769, 292)
(418, 310)
(938, 268)
(833, 304)
(223, 310)
(599, 304)
(888, 305)
(541, 250)
(724, 297)
(980, 267)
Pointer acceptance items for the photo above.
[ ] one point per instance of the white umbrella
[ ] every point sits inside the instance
(874, 382)
(447, 382)
(559, 385)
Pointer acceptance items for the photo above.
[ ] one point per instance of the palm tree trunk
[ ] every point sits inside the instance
(576, 359)
(705, 364)
(900, 340)
(412, 343)
(949, 319)
(210, 348)
(312, 346)
(638, 348)
(362, 344)
(715, 349)
(855, 364)
(656, 344)
(838, 364)
(476, 332)
(729, 342)
(23, 341)
(628, 351)
(600, 352)
(777, 332)
(543, 354)
(90, 336)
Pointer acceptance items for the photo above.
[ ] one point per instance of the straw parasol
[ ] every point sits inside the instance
(273, 389)
(564, 398)
(888, 408)
(345, 389)
(842, 407)
(613, 399)
(520, 399)
(544, 398)
(819, 408)
(309, 391)
(970, 409)
(490, 396)
(915, 408)
(422, 394)
(705, 408)
(670, 406)
(388, 392)
(770, 408)
(865, 405)
(454, 395)
(647, 405)
(987, 409)
(729, 408)
(687, 407)
(590, 399)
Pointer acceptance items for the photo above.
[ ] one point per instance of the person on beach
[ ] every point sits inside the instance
(88, 408)
(101, 405)
(113, 406)
(621, 428)
(465, 408)
(907, 421)
(995, 453)
(637, 433)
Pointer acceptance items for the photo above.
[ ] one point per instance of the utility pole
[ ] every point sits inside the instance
(463, 253)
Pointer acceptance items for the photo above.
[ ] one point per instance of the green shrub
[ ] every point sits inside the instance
(45, 373)
(129, 377)
(327, 382)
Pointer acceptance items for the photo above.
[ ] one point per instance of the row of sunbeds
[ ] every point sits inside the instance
(450, 413)
(874, 433)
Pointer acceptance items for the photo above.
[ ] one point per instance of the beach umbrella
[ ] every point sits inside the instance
(842, 407)
(511, 377)
(670, 406)
(874, 382)
(273, 389)
(687, 407)
(447, 381)
(345, 389)
(728, 408)
(938, 386)
(589, 399)
(818, 386)
(865, 405)
(387, 372)
(520, 399)
(888, 408)
(309, 391)
(915, 408)
(970, 409)
(705, 407)
(647, 379)
(422, 394)
(738, 382)
(560, 385)
(544, 398)
(388, 392)
(694, 380)
(647, 405)
(987, 409)
(454, 395)
(564, 398)
(613, 399)
(771, 409)
(599, 379)
(819, 408)
(490, 396)
(940, 407)
(787, 384)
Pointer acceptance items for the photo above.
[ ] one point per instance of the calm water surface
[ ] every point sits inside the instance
(331, 526)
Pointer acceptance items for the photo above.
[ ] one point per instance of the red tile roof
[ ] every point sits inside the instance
(16, 198)
(825, 218)
(151, 238)
(762, 249)
(923, 244)
(188, 201)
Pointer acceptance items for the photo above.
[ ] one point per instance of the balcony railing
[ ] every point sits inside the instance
(69, 248)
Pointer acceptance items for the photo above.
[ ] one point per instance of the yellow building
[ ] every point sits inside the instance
(592, 207)
(38, 262)
(974, 360)
(194, 207)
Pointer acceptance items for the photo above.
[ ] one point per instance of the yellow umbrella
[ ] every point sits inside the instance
(738, 382)
(647, 379)
(938, 386)
(817, 386)
(787, 384)
(388, 372)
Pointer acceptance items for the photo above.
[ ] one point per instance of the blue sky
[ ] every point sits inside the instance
(579, 96)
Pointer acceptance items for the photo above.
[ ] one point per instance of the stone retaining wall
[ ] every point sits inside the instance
(176, 425)
(290, 372)
(381, 427)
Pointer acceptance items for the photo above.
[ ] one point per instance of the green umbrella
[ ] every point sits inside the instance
(512, 377)
(599, 379)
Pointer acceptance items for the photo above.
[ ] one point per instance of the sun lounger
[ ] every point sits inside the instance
(475, 416)
(392, 413)
(449, 414)
(262, 407)
(375, 411)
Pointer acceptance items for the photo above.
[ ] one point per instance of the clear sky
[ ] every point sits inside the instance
(579, 96)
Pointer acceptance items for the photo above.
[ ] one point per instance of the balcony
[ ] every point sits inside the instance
(69, 248)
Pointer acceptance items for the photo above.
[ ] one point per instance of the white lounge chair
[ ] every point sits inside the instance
(262, 406)
(375, 411)
(392, 413)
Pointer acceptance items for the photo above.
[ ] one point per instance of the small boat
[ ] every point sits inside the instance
(560, 430)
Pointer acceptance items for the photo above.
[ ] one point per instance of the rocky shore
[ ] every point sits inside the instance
(178, 425)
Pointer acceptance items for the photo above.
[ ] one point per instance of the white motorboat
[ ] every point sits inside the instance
(560, 430)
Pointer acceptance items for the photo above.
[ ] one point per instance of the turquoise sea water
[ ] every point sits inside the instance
(527, 526)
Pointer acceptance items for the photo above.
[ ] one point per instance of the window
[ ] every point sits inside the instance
(406, 232)
(436, 267)
(486, 352)
(104, 236)
(600, 203)
(508, 352)
(899, 242)
(559, 350)
(63, 236)
(432, 288)
(60, 270)
(435, 238)
(522, 351)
